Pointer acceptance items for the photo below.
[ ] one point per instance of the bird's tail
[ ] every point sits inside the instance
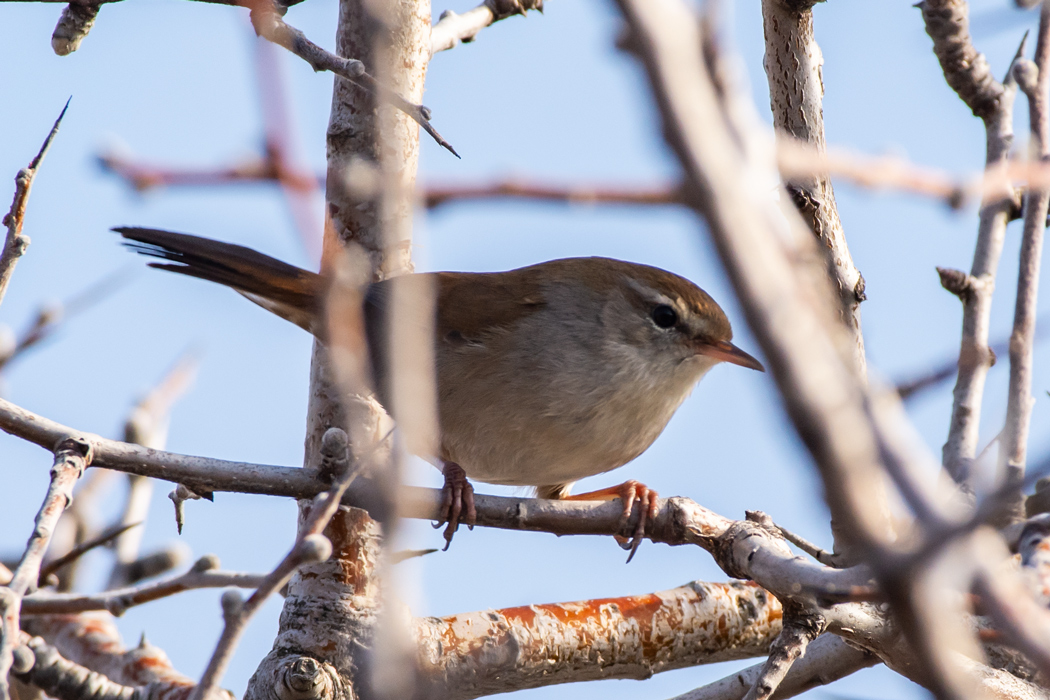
(292, 293)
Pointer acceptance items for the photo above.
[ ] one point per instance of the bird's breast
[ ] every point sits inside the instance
(547, 412)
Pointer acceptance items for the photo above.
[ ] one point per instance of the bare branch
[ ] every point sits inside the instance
(824, 557)
(474, 654)
(117, 601)
(439, 195)
(452, 29)
(50, 318)
(82, 549)
(16, 243)
(793, 64)
(975, 357)
(143, 176)
(1013, 446)
(272, 27)
(678, 520)
(789, 646)
(311, 546)
(72, 456)
(91, 639)
(65, 680)
(827, 660)
(950, 367)
(966, 70)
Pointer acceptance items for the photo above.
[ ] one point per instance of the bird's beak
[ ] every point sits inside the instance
(725, 351)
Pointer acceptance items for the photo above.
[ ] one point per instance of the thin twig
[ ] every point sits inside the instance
(789, 646)
(282, 150)
(72, 456)
(452, 30)
(147, 425)
(910, 388)
(823, 556)
(50, 319)
(827, 660)
(975, 357)
(1014, 444)
(272, 27)
(204, 574)
(82, 549)
(438, 195)
(16, 243)
(310, 546)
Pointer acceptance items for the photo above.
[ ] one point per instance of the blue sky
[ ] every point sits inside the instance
(546, 97)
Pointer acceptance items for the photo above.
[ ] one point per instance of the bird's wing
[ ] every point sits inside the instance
(472, 306)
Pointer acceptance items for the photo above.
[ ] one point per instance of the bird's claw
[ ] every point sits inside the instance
(457, 502)
(631, 491)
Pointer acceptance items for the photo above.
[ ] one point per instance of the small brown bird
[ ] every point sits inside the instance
(545, 375)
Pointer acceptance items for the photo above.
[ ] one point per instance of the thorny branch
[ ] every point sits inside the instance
(271, 26)
(16, 242)
(72, 456)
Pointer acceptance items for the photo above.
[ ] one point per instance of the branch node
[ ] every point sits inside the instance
(23, 660)
(302, 678)
(335, 455)
(959, 283)
(502, 9)
(73, 26)
(1026, 73)
(209, 562)
(232, 604)
(313, 548)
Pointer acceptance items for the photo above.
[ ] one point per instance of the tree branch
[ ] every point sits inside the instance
(793, 63)
(16, 243)
(452, 29)
(272, 27)
(975, 357)
(827, 660)
(310, 547)
(118, 600)
(72, 456)
(966, 70)
(1034, 81)
(475, 654)
(91, 639)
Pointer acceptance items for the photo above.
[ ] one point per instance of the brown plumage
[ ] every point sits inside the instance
(545, 374)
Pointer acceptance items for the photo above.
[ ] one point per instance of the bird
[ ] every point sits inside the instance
(545, 374)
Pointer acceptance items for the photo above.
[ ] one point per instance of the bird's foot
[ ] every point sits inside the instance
(457, 502)
(628, 492)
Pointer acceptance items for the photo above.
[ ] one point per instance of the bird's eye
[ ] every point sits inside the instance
(664, 316)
